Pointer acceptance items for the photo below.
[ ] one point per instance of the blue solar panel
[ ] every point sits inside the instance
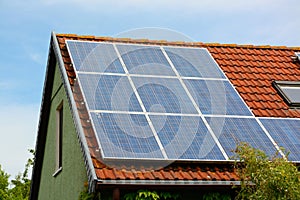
(94, 57)
(217, 97)
(286, 133)
(185, 138)
(105, 92)
(163, 95)
(194, 62)
(232, 131)
(125, 136)
(145, 60)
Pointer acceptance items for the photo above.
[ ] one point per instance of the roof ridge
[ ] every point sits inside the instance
(178, 43)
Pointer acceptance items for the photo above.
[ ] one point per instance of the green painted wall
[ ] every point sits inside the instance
(70, 181)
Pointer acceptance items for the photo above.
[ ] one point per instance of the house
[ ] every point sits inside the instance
(230, 93)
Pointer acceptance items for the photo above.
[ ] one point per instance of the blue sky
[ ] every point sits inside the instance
(25, 34)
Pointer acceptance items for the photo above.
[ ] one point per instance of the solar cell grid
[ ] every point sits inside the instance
(217, 97)
(232, 131)
(193, 62)
(106, 92)
(94, 57)
(185, 138)
(121, 137)
(147, 60)
(285, 132)
(163, 95)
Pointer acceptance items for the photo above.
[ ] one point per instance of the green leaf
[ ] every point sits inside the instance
(264, 177)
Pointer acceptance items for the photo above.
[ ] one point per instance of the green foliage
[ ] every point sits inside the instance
(216, 196)
(168, 195)
(20, 185)
(85, 195)
(266, 178)
(3, 184)
(150, 195)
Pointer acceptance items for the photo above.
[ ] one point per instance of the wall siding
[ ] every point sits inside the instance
(70, 181)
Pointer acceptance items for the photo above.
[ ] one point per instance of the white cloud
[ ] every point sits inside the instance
(18, 133)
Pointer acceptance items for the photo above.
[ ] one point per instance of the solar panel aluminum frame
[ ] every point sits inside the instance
(278, 84)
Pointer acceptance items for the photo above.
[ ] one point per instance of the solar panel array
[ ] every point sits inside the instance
(167, 103)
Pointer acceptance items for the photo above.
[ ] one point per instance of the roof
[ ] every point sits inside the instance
(251, 69)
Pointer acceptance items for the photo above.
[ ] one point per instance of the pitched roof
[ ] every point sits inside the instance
(251, 69)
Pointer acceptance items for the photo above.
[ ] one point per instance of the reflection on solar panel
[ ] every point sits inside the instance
(146, 60)
(94, 57)
(232, 131)
(163, 95)
(105, 92)
(185, 138)
(166, 103)
(285, 132)
(125, 136)
(188, 64)
(217, 97)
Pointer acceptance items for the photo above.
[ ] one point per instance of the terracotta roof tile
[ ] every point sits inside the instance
(118, 174)
(148, 175)
(157, 175)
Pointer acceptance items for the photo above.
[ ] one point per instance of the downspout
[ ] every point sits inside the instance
(92, 177)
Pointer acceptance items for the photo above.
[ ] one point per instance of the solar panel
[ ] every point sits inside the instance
(194, 62)
(94, 57)
(217, 97)
(185, 137)
(163, 95)
(232, 131)
(106, 92)
(148, 60)
(125, 136)
(168, 103)
(286, 133)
